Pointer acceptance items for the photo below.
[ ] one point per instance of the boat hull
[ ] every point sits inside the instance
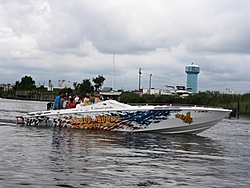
(163, 119)
(189, 129)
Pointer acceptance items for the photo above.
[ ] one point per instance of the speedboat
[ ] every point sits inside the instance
(111, 115)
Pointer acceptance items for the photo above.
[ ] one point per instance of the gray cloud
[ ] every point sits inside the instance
(76, 39)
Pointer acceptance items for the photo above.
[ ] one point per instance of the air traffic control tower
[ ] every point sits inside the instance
(192, 76)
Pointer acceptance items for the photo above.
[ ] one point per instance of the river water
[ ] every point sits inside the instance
(54, 157)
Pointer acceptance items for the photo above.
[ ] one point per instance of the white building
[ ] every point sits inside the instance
(169, 90)
(63, 84)
(152, 91)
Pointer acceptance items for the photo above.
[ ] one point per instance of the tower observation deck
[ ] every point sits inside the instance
(192, 76)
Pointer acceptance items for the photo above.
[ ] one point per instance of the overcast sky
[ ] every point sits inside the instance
(76, 40)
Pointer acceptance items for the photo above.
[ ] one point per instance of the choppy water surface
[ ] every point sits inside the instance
(52, 157)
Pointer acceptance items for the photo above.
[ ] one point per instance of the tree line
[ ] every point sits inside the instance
(238, 102)
(86, 86)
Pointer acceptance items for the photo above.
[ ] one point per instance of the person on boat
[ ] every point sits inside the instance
(82, 100)
(58, 102)
(109, 98)
(97, 97)
(86, 100)
(77, 99)
(64, 101)
(92, 99)
(72, 103)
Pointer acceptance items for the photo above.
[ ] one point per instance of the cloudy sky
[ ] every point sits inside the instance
(76, 40)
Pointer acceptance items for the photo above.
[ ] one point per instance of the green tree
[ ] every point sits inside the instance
(67, 90)
(16, 85)
(86, 86)
(1, 90)
(76, 85)
(98, 82)
(131, 97)
(27, 83)
(41, 89)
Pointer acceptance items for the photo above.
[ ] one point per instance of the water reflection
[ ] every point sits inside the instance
(70, 146)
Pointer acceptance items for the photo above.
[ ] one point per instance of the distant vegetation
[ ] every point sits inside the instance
(208, 98)
(28, 84)
(26, 89)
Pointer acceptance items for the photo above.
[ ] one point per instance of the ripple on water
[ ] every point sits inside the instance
(40, 157)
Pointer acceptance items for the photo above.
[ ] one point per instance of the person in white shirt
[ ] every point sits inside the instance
(64, 101)
(77, 99)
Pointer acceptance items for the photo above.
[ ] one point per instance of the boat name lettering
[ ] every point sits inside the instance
(186, 118)
(99, 119)
(105, 107)
(107, 119)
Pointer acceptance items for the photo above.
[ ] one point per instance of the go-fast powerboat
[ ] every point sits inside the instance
(111, 115)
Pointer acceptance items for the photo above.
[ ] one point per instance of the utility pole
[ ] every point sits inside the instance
(140, 79)
(150, 79)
